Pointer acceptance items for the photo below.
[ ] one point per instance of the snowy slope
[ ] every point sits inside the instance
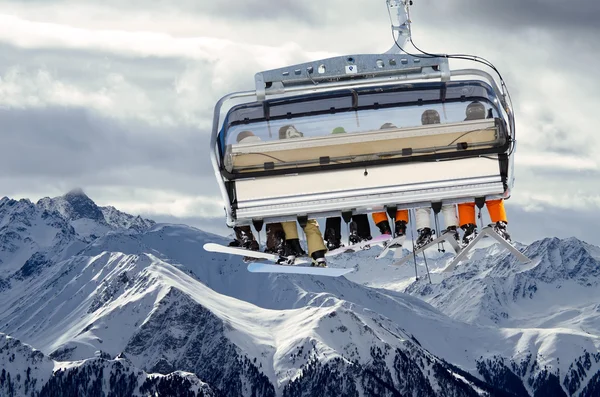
(154, 294)
(558, 289)
(117, 302)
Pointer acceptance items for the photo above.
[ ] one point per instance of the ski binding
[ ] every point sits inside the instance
(393, 244)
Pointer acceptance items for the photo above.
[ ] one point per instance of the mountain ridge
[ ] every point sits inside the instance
(368, 334)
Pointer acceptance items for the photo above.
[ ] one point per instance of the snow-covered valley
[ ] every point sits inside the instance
(92, 287)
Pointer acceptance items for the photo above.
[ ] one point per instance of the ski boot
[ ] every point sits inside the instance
(500, 228)
(354, 237)
(424, 238)
(251, 245)
(318, 259)
(293, 247)
(470, 230)
(245, 239)
(384, 227)
(332, 241)
(400, 229)
(276, 243)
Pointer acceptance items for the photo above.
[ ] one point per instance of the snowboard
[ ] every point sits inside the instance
(363, 245)
(485, 232)
(393, 244)
(259, 267)
(444, 237)
(223, 249)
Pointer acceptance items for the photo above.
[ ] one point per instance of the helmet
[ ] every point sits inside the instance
(289, 131)
(430, 116)
(247, 136)
(475, 111)
(338, 130)
(387, 126)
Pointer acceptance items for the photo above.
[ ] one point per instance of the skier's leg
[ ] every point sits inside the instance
(316, 246)
(450, 220)
(401, 220)
(381, 221)
(467, 222)
(496, 210)
(423, 218)
(244, 238)
(333, 232)
(423, 223)
(275, 239)
(290, 229)
(498, 217)
(292, 241)
(466, 214)
(363, 230)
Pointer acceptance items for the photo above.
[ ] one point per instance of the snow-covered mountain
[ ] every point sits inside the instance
(125, 287)
(89, 220)
(53, 229)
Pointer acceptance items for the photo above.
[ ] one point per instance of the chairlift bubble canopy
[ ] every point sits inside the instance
(361, 134)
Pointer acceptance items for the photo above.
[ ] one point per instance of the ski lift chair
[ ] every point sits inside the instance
(366, 169)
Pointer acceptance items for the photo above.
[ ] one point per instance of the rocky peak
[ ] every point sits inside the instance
(15, 212)
(122, 220)
(566, 259)
(74, 205)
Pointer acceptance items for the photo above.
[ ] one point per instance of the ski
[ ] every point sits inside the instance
(393, 244)
(259, 267)
(485, 232)
(213, 247)
(444, 237)
(363, 245)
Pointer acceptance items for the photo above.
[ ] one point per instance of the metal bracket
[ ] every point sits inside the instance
(445, 70)
(303, 221)
(437, 207)
(348, 67)
(347, 216)
(258, 224)
(391, 211)
(480, 202)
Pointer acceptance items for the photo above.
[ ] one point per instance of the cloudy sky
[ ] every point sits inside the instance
(116, 97)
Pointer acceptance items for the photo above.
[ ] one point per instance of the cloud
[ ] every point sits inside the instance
(575, 20)
(162, 203)
(46, 152)
(117, 97)
(239, 9)
(28, 34)
(527, 226)
(557, 161)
